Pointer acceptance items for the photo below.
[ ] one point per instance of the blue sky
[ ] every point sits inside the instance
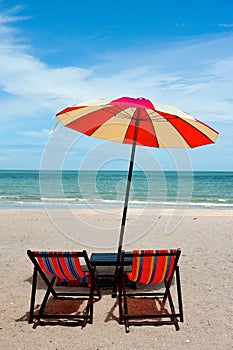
(55, 54)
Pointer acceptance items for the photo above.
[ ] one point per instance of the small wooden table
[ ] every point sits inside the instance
(104, 260)
(107, 259)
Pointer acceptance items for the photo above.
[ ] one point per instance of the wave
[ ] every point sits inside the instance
(36, 201)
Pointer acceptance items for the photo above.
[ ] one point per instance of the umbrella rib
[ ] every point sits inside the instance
(184, 138)
(155, 133)
(112, 110)
(193, 126)
(158, 117)
(128, 112)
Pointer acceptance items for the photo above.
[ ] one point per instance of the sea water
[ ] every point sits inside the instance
(82, 189)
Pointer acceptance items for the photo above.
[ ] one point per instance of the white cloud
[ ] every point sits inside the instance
(195, 76)
(225, 25)
(37, 134)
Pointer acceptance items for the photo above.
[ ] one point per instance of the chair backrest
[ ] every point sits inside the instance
(152, 266)
(63, 265)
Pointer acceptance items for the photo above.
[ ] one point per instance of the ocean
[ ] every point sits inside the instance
(85, 189)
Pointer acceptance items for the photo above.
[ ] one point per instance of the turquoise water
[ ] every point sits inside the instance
(29, 189)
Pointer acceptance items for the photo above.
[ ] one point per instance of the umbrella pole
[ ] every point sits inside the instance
(124, 215)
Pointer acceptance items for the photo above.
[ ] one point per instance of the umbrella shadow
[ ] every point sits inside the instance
(40, 282)
(111, 315)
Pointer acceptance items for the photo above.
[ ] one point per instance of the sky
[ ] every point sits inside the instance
(55, 54)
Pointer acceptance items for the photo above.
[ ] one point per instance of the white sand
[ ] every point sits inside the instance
(204, 236)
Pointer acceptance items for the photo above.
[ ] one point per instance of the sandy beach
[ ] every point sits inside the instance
(204, 236)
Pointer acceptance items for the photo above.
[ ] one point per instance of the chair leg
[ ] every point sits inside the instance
(126, 326)
(178, 284)
(120, 306)
(120, 297)
(33, 296)
(87, 314)
(173, 318)
(167, 295)
(96, 287)
(125, 319)
(91, 303)
(123, 308)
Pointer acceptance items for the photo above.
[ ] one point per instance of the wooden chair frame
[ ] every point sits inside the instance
(153, 319)
(87, 316)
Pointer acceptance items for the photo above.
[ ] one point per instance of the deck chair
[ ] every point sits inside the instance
(150, 267)
(64, 268)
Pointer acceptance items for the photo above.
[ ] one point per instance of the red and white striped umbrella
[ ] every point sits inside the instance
(136, 121)
(158, 125)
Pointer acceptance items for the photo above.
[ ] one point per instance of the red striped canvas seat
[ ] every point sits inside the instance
(149, 268)
(80, 282)
(66, 266)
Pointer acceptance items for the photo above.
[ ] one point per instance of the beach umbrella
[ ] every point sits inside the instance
(136, 121)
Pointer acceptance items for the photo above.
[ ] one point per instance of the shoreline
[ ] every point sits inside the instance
(116, 206)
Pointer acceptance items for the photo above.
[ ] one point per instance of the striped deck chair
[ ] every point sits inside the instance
(150, 267)
(66, 269)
